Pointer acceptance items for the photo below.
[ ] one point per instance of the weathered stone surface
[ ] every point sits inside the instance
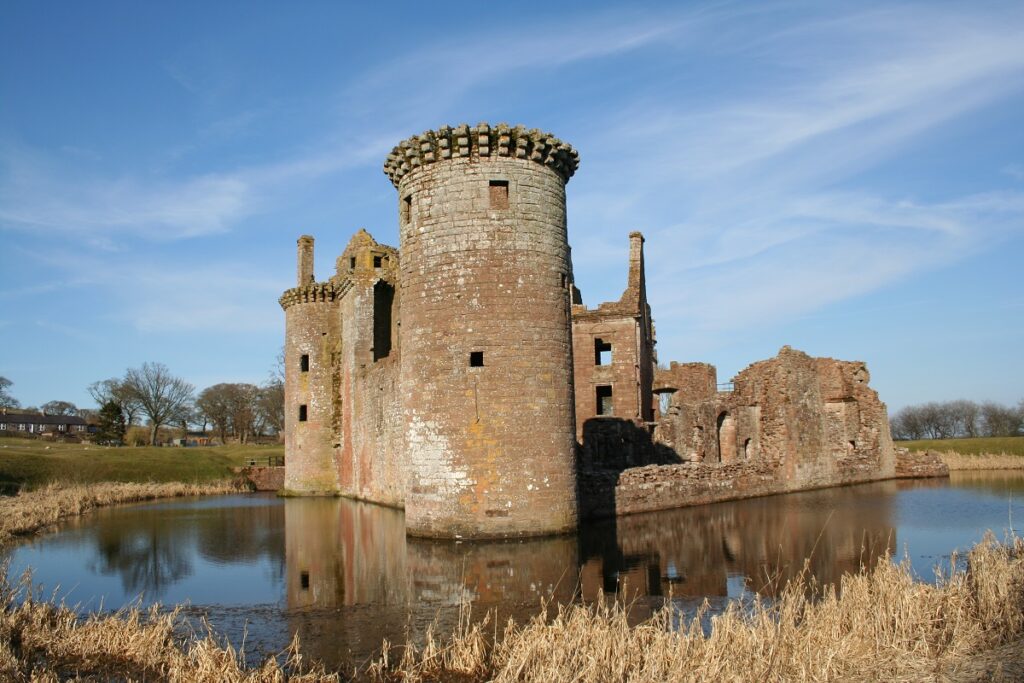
(919, 464)
(454, 377)
(264, 478)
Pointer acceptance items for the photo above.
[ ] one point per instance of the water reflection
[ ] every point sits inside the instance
(344, 576)
(760, 544)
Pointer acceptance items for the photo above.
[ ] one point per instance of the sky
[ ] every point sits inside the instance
(844, 178)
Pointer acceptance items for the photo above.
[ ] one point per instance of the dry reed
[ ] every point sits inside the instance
(885, 626)
(981, 461)
(31, 511)
(882, 625)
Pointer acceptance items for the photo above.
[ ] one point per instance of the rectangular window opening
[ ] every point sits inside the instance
(383, 303)
(352, 262)
(304, 362)
(604, 400)
(406, 209)
(302, 413)
(476, 359)
(602, 352)
(499, 194)
(304, 580)
(377, 261)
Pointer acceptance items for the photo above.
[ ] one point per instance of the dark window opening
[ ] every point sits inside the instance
(602, 352)
(377, 261)
(563, 280)
(302, 413)
(383, 300)
(352, 262)
(604, 400)
(476, 359)
(304, 580)
(304, 362)
(499, 194)
(406, 209)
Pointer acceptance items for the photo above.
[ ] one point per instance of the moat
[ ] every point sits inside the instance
(345, 576)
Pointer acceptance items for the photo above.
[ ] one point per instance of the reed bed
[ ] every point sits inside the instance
(31, 511)
(885, 626)
(881, 625)
(982, 461)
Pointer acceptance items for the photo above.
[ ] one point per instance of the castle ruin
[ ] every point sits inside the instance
(461, 377)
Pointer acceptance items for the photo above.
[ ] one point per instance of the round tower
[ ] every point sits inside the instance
(486, 376)
(309, 408)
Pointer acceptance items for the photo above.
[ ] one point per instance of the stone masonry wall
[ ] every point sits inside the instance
(311, 330)
(790, 423)
(486, 375)
(367, 432)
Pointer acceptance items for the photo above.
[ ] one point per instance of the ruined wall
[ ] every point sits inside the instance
(486, 375)
(789, 423)
(613, 352)
(368, 426)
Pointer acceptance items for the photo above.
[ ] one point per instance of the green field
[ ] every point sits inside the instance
(33, 462)
(1011, 445)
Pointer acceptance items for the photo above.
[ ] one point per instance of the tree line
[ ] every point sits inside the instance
(153, 395)
(957, 419)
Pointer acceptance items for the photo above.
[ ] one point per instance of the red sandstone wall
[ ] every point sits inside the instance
(490, 449)
(368, 436)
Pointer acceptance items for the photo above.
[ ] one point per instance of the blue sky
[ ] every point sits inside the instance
(845, 178)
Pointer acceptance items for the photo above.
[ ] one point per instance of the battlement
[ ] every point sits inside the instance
(317, 292)
(481, 141)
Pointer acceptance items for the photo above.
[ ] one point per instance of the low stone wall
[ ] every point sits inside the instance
(915, 464)
(661, 487)
(264, 478)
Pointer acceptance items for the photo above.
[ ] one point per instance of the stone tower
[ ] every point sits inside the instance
(486, 375)
(310, 319)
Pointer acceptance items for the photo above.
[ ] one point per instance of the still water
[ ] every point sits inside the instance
(344, 575)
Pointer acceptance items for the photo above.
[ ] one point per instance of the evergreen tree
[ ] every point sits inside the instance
(112, 423)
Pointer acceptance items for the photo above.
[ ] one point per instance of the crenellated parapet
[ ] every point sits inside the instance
(481, 141)
(317, 292)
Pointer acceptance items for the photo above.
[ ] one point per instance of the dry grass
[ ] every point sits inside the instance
(885, 626)
(31, 511)
(43, 641)
(981, 461)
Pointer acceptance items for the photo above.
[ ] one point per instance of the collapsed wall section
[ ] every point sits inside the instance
(789, 423)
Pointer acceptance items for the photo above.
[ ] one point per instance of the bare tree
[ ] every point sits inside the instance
(59, 408)
(965, 417)
(1000, 420)
(214, 404)
(6, 400)
(271, 405)
(162, 397)
(114, 389)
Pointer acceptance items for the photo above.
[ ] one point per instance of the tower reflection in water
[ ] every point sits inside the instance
(354, 578)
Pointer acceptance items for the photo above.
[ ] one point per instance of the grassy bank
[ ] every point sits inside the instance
(32, 511)
(32, 463)
(885, 626)
(1008, 445)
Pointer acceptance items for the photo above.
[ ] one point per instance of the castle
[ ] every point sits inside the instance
(461, 377)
